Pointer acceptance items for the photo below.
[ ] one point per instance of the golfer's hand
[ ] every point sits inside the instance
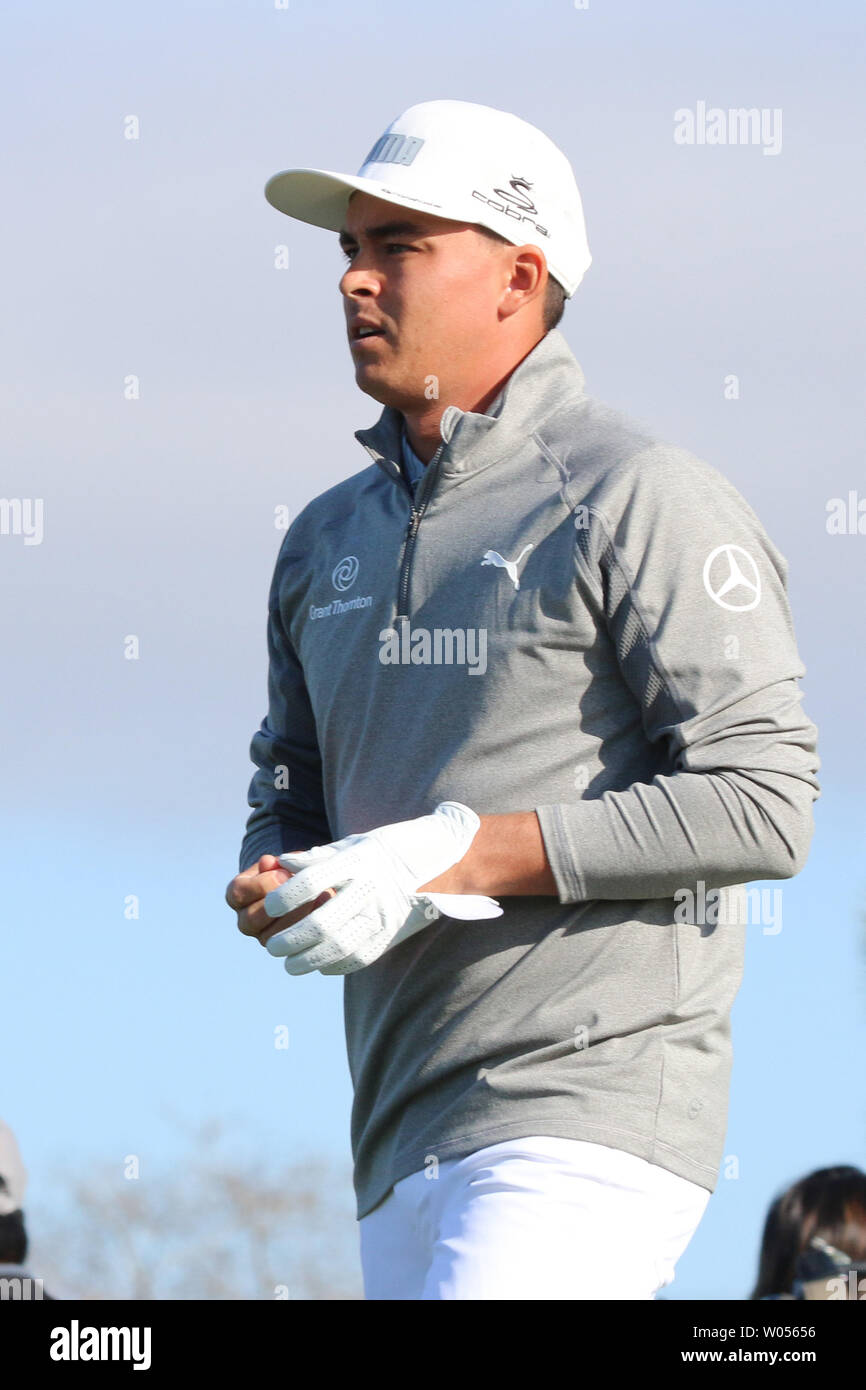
(246, 892)
(375, 878)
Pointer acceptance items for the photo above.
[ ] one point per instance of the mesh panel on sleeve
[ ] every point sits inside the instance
(630, 637)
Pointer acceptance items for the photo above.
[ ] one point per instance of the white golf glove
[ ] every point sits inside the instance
(377, 904)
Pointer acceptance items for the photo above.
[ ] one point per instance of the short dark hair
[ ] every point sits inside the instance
(13, 1238)
(554, 294)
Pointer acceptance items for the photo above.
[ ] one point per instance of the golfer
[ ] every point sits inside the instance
(534, 722)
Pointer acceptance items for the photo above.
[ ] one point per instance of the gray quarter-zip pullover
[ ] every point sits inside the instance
(573, 617)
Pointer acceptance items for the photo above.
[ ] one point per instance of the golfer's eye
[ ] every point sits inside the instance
(391, 248)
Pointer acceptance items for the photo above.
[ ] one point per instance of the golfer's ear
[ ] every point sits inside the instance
(527, 280)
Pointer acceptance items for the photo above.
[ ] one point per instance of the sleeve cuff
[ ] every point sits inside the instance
(273, 839)
(561, 854)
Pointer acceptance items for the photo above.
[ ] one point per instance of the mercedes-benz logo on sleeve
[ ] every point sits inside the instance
(345, 573)
(730, 570)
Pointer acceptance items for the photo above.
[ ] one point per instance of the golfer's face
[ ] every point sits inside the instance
(428, 289)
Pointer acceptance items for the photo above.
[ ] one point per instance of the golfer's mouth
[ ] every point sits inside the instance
(361, 334)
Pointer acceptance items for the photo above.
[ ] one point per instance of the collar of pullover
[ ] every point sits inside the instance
(538, 385)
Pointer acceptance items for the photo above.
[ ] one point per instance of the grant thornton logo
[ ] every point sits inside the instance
(345, 573)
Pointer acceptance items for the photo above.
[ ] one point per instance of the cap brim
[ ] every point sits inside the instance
(320, 196)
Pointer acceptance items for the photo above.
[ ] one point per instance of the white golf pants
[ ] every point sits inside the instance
(535, 1218)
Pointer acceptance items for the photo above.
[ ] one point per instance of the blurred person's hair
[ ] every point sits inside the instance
(829, 1203)
(554, 294)
(13, 1239)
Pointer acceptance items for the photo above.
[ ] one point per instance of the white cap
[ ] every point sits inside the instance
(465, 162)
(13, 1177)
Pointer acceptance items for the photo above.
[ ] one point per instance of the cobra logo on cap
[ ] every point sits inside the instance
(516, 204)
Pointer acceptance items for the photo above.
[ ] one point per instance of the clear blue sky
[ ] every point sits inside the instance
(155, 258)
